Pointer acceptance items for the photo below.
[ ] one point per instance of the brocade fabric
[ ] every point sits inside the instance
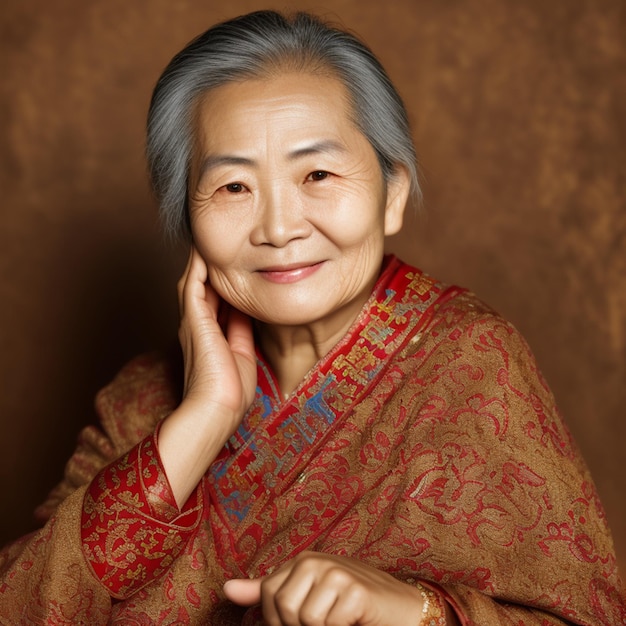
(426, 444)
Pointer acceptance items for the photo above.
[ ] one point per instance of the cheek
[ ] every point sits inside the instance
(218, 242)
(354, 215)
(355, 228)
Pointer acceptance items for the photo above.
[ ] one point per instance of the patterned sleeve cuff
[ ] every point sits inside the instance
(434, 607)
(132, 529)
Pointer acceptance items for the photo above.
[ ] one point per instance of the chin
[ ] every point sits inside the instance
(290, 315)
(284, 319)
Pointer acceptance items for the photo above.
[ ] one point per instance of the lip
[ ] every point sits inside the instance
(291, 273)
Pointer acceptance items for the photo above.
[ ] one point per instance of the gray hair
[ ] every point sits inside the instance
(258, 45)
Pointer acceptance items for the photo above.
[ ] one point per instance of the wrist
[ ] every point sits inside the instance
(189, 440)
(433, 607)
(207, 417)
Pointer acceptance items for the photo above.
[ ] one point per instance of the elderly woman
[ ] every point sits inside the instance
(354, 442)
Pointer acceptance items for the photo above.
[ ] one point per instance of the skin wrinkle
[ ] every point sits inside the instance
(278, 72)
(267, 137)
(212, 162)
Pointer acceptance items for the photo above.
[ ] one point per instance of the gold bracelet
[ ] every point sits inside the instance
(434, 610)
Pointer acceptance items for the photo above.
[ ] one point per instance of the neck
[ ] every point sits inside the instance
(292, 351)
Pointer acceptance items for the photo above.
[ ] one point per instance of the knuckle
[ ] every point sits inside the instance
(312, 616)
(286, 607)
(306, 558)
(267, 585)
(338, 577)
(284, 601)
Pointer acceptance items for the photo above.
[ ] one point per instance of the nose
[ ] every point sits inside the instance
(280, 218)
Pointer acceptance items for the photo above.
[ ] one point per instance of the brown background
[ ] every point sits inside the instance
(519, 117)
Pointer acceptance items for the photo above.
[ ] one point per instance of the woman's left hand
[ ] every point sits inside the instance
(317, 589)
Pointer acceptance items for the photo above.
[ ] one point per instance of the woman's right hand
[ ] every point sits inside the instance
(220, 380)
(217, 344)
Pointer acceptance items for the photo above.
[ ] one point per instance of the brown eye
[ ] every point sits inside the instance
(234, 187)
(318, 175)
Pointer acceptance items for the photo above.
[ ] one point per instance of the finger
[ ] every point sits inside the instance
(195, 271)
(283, 594)
(198, 297)
(180, 286)
(320, 601)
(240, 335)
(243, 591)
(197, 266)
(351, 607)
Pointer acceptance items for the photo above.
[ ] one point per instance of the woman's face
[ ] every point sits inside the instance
(288, 205)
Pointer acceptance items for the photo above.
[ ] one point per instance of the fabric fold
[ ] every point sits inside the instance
(132, 529)
(426, 444)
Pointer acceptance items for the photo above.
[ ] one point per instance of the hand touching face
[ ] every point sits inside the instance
(220, 381)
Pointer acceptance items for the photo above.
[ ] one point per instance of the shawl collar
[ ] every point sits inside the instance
(277, 438)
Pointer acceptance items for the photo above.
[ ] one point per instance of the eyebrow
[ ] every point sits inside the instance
(326, 146)
(319, 147)
(215, 160)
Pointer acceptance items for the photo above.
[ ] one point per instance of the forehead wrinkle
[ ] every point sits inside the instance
(215, 160)
(319, 147)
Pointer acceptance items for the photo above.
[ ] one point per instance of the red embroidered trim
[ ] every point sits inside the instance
(132, 530)
(251, 469)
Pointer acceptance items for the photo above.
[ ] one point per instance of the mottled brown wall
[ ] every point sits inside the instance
(519, 118)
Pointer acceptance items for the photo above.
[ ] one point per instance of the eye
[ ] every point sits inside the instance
(234, 188)
(318, 175)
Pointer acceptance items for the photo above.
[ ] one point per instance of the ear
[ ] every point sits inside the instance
(398, 188)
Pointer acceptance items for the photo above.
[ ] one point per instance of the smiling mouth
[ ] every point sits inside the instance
(285, 274)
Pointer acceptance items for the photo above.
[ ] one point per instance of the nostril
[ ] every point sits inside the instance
(279, 226)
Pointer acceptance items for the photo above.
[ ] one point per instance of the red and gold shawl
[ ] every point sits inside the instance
(426, 444)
